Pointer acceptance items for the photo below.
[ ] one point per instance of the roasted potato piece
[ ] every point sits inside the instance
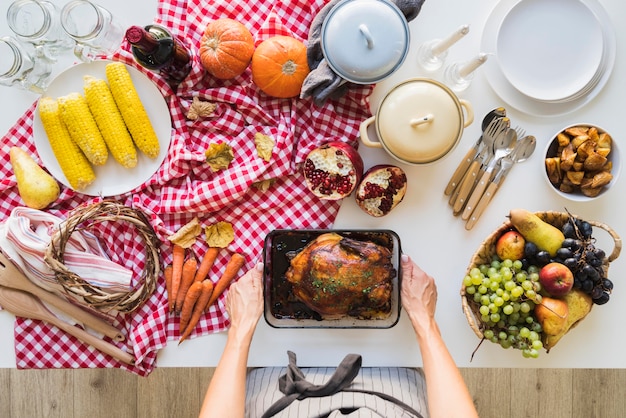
(553, 168)
(586, 148)
(576, 177)
(594, 162)
(577, 130)
(604, 140)
(562, 139)
(579, 140)
(601, 179)
(568, 156)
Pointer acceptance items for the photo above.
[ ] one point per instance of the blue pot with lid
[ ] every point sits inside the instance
(365, 41)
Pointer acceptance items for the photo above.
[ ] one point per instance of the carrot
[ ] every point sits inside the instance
(178, 259)
(235, 264)
(190, 300)
(189, 272)
(167, 272)
(207, 262)
(198, 309)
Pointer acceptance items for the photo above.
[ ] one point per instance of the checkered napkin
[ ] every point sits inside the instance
(184, 187)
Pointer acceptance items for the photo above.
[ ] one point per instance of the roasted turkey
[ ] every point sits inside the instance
(338, 276)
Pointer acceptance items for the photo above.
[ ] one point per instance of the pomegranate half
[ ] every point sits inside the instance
(383, 187)
(333, 170)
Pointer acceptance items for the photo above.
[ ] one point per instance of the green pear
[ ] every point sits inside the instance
(37, 188)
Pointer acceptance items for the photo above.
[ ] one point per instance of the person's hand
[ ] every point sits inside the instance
(419, 295)
(244, 301)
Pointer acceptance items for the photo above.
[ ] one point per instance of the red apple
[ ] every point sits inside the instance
(556, 279)
(510, 246)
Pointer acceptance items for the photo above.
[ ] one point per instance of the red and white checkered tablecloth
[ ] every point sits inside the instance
(185, 187)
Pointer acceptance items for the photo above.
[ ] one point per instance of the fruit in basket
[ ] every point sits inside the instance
(552, 315)
(333, 170)
(383, 187)
(510, 245)
(545, 236)
(579, 305)
(226, 48)
(279, 66)
(36, 187)
(556, 279)
(504, 296)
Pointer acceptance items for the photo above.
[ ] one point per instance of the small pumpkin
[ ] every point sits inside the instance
(279, 66)
(226, 48)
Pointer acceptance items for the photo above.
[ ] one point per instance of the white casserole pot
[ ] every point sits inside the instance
(364, 41)
(419, 121)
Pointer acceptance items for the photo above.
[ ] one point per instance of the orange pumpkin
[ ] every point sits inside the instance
(279, 66)
(226, 48)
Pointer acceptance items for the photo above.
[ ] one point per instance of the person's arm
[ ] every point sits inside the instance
(448, 396)
(226, 394)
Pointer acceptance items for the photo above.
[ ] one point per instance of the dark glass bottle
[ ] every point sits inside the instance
(155, 48)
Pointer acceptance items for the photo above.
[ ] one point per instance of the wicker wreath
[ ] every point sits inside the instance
(487, 250)
(94, 296)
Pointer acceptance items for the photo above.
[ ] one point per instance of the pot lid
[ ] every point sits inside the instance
(420, 120)
(365, 41)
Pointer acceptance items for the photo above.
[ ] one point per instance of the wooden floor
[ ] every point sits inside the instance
(178, 392)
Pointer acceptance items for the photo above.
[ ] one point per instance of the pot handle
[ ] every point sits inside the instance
(364, 135)
(469, 112)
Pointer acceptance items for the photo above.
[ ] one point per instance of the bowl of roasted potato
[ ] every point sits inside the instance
(582, 162)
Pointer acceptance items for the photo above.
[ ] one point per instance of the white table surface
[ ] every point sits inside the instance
(429, 232)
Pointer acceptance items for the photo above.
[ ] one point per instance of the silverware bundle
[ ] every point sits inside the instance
(486, 164)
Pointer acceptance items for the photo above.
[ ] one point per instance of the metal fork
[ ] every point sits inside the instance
(495, 128)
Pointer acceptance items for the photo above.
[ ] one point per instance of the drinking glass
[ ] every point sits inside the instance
(37, 22)
(92, 27)
(23, 68)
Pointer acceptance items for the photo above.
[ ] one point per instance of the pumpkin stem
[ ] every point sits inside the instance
(289, 67)
(213, 43)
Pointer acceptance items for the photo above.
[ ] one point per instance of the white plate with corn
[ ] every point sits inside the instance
(102, 128)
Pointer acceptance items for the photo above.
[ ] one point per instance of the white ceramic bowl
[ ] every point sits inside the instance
(613, 157)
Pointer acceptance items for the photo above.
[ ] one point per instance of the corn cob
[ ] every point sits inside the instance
(72, 161)
(133, 111)
(110, 121)
(82, 127)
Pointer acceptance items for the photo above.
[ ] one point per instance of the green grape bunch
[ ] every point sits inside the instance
(506, 294)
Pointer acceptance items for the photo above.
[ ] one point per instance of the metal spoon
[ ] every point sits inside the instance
(523, 150)
(502, 146)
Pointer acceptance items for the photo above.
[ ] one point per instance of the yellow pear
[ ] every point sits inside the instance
(552, 315)
(37, 188)
(579, 304)
(545, 236)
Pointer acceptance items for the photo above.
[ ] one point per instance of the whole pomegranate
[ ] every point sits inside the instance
(382, 189)
(333, 170)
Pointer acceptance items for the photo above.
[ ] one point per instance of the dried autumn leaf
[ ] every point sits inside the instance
(219, 156)
(264, 145)
(200, 109)
(187, 234)
(264, 185)
(220, 234)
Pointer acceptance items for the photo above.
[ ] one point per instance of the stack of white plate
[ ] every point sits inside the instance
(553, 56)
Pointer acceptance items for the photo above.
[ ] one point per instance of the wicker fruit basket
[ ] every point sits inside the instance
(487, 251)
(82, 290)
